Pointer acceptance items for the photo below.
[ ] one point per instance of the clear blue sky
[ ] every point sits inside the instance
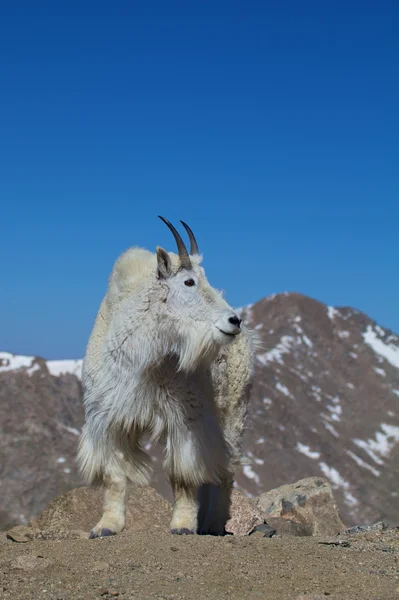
(272, 128)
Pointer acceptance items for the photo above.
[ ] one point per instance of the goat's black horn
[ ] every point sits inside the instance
(181, 248)
(193, 241)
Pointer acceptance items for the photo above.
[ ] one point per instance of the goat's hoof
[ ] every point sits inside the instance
(216, 532)
(103, 533)
(182, 531)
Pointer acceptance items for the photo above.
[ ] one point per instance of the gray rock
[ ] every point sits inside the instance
(379, 526)
(304, 508)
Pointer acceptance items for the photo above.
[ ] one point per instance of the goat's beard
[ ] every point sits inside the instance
(198, 347)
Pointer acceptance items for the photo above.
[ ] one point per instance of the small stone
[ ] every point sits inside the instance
(341, 543)
(20, 534)
(100, 565)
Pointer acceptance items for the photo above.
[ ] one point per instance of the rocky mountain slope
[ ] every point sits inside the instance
(325, 402)
(40, 418)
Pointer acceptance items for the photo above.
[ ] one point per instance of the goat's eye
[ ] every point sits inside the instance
(189, 282)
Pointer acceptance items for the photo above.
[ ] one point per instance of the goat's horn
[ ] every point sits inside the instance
(182, 250)
(193, 241)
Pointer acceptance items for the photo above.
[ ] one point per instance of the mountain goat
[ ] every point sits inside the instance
(167, 357)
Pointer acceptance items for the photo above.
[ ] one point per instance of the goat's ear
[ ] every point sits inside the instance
(164, 263)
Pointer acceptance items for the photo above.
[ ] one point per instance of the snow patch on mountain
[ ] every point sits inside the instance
(387, 350)
(363, 464)
(331, 429)
(31, 370)
(72, 430)
(335, 409)
(382, 444)
(63, 367)
(337, 481)
(276, 354)
(12, 362)
(380, 372)
(15, 362)
(343, 334)
(332, 312)
(304, 449)
(248, 472)
(283, 389)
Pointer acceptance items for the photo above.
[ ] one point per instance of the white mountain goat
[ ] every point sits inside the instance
(167, 357)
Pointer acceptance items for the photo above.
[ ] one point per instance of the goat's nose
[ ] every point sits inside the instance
(235, 321)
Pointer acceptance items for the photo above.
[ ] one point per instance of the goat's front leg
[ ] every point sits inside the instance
(185, 509)
(113, 518)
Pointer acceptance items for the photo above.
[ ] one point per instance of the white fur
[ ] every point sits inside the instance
(158, 361)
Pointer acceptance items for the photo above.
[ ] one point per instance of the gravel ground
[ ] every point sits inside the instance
(147, 565)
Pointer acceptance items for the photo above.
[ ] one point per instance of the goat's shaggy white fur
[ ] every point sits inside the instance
(163, 358)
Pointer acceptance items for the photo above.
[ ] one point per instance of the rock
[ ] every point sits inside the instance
(20, 534)
(79, 510)
(244, 515)
(304, 508)
(265, 530)
(379, 526)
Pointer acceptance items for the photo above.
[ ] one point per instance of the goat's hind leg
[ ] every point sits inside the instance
(214, 508)
(113, 518)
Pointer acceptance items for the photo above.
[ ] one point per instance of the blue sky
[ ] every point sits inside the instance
(270, 127)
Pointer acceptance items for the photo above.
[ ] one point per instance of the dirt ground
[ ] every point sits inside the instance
(148, 565)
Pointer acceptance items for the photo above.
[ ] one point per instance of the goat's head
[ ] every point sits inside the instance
(194, 314)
